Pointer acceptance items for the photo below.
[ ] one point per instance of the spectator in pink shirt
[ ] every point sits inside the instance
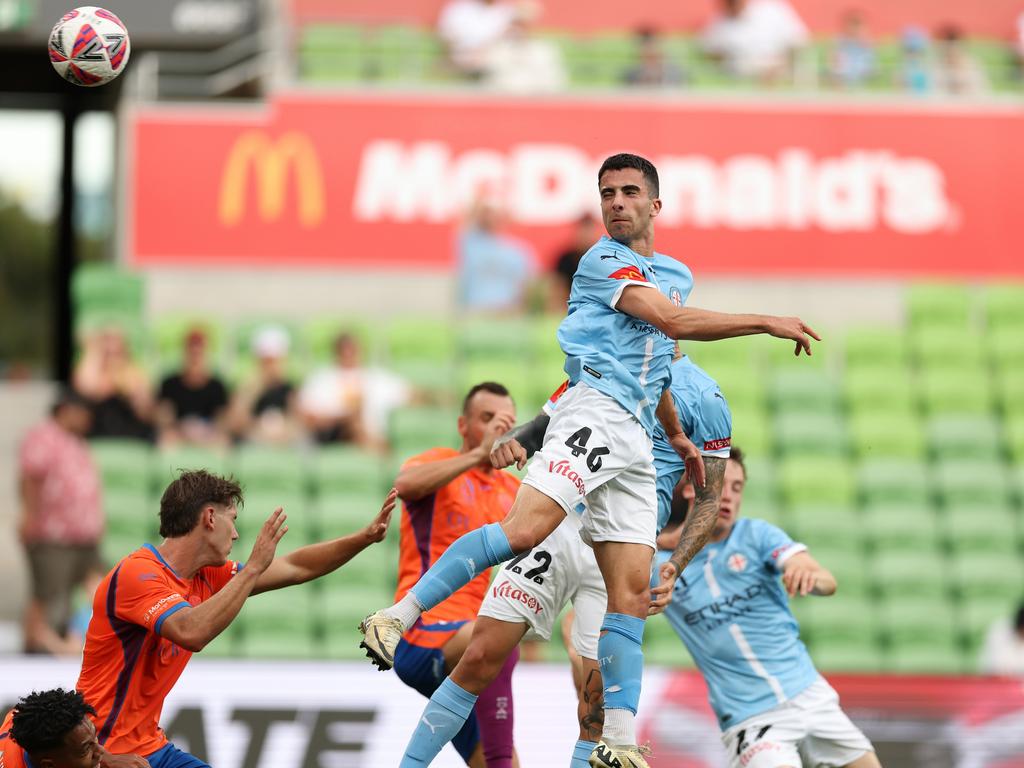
(61, 520)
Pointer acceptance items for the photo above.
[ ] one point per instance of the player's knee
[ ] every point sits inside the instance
(478, 665)
(522, 538)
(630, 602)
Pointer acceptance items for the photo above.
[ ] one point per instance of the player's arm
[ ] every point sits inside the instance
(803, 575)
(422, 479)
(194, 628)
(110, 760)
(695, 532)
(681, 444)
(520, 443)
(705, 325)
(316, 560)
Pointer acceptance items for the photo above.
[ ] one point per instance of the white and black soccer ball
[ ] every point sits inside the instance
(89, 46)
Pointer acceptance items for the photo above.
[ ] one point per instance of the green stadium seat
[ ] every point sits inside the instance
(751, 430)
(414, 430)
(851, 656)
(813, 434)
(762, 509)
(544, 346)
(1010, 386)
(279, 624)
(1013, 429)
(743, 390)
(803, 391)
(115, 545)
(934, 656)
(825, 528)
(978, 483)
(107, 294)
(346, 512)
(270, 468)
(955, 392)
(124, 465)
(944, 349)
(319, 334)
(339, 469)
(662, 645)
(762, 479)
(906, 573)
(1005, 350)
(969, 528)
(902, 528)
(130, 512)
(739, 353)
(1004, 306)
(341, 608)
(893, 481)
(896, 435)
(988, 574)
(975, 437)
(835, 622)
(946, 305)
(226, 645)
(528, 393)
(167, 462)
(879, 391)
(420, 338)
(816, 480)
(261, 502)
(850, 569)
(977, 615)
(876, 348)
(490, 338)
(918, 621)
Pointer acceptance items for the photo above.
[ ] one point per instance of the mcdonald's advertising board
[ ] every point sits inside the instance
(382, 181)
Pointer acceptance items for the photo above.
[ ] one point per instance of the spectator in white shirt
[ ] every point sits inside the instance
(523, 63)
(469, 29)
(1003, 652)
(756, 39)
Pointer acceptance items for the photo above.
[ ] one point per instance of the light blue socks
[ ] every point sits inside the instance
(470, 555)
(581, 754)
(443, 717)
(622, 666)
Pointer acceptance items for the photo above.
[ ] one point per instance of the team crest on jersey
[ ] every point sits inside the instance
(675, 296)
(737, 563)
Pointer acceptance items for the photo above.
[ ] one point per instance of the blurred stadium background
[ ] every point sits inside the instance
(314, 166)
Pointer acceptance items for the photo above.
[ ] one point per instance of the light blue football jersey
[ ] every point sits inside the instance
(732, 612)
(615, 353)
(705, 417)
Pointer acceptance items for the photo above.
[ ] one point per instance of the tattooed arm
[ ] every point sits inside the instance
(696, 531)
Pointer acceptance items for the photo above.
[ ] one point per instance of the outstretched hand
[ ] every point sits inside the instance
(661, 595)
(796, 329)
(378, 529)
(265, 548)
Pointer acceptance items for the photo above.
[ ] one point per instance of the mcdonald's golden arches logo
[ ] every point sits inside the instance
(271, 160)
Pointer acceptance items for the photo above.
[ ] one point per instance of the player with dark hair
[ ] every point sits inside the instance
(729, 606)
(161, 604)
(51, 729)
(625, 311)
(446, 493)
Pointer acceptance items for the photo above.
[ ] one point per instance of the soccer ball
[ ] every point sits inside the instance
(89, 46)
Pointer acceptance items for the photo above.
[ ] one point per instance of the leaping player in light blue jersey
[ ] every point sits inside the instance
(618, 339)
(730, 608)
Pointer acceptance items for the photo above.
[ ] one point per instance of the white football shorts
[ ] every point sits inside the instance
(533, 588)
(810, 729)
(594, 449)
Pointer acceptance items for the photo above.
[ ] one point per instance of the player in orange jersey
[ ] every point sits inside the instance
(50, 729)
(446, 493)
(160, 605)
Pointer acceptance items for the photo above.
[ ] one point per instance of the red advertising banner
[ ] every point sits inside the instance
(913, 722)
(988, 18)
(380, 180)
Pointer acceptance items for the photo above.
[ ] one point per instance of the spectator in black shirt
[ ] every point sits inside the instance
(192, 403)
(263, 407)
(565, 267)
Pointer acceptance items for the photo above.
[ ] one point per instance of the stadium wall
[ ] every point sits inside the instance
(301, 715)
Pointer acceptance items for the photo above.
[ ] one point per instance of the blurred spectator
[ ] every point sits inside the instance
(1018, 46)
(193, 402)
(1003, 652)
(853, 58)
(756, 39)
(263, 407)
(118, 388)
(916, 72)
(586, 235)
(349, 403)
(521, 62)
(653, 67)
(61, 521)
(494, 269)
(957, 71)
(469, 29)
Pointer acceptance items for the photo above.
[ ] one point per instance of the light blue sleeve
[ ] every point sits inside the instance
(603, 274)
(774, 546)
(714, 425)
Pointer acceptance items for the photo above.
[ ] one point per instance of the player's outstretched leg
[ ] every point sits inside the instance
(449, 707)
(532, 518)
